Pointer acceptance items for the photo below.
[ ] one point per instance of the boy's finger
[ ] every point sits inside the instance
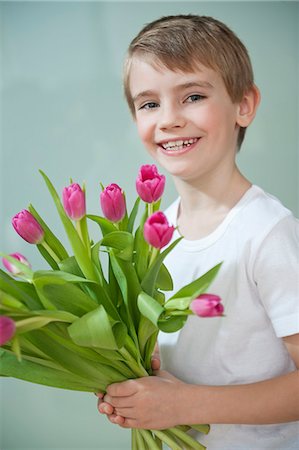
(105, 408)
(122, 389)
(155, 363)
(117, 420)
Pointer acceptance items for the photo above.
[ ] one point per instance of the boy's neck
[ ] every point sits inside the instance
(204, 206)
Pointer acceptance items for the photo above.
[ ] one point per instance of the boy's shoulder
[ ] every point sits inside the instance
(264, 207)
(257, 212)
(262, 215)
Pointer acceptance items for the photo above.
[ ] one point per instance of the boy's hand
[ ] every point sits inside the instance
(106, 408)
(152, 402)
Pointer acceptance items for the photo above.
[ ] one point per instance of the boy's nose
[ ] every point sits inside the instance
(171, 117)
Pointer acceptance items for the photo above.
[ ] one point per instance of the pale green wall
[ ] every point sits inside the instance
(62, 110)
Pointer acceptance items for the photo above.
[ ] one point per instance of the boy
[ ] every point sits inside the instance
(189, 84)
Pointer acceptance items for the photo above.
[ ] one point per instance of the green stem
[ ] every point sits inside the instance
(150, 209)
(134, 439)
(138, 370)
(150, 346)
(166, 437)
(50, 251)
(149, 439)
(140, 441)
(153, 254)
(201, 428)
(183, 436)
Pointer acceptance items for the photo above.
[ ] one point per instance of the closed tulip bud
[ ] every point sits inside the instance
(157, 231)
(73, 198)
(7, 329)
(11, 267)
(28, 227)
(207, 305)
(150, 184)
(113, 203)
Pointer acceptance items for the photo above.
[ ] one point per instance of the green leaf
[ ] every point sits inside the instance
(9, 303)
(133, 215)
(80, 251)
(122, 242)
(149, 307)
(150, 279)
(57, 277)
(196, 287)
(105, 225)
(67, 297)
(70, 265)
(43, 279)
(180, 303)
(94, 372)
(41, 374)
(98, 329)
(42, 318)
(22, 291)
(61, 336)
(170, 324)
(164, 280)
(145, 331)
(129, 285)
(50, 237)
(46, 255)
(141, 248)
(156, 206)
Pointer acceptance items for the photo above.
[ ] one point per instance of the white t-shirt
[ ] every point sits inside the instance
(258, 242)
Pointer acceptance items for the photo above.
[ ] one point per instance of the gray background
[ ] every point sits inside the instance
(62, 110)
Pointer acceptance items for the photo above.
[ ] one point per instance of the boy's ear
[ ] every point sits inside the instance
(248, 107)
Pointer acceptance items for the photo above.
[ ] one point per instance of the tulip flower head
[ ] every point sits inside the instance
(149, 183)
(28, 227)
(73, 198)
(113, 203)
(7, 329)
(207, 305)
(157, 231)
(11, 267)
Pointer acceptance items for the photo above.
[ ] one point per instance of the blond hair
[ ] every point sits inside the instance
(181, 42)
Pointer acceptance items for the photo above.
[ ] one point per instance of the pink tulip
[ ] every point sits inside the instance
(7, 329)
(74, 201)
(28, 227)
(157, 231)
(11, 267)
(113, 203)
(150, 184)
(207, 305)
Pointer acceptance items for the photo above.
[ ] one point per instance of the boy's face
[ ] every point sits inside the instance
(186, 121)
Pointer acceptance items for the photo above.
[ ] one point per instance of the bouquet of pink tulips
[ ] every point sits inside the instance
(91, 321)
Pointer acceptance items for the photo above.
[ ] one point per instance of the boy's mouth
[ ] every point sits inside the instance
(177, 145)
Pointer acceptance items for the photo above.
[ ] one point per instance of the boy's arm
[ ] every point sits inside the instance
(164, 401)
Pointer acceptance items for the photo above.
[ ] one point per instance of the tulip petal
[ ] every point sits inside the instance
(7, 329)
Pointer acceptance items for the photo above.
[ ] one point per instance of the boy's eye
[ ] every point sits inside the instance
(194, 98)
(149, 105)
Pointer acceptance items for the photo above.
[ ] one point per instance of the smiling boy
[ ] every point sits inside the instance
(189, 84)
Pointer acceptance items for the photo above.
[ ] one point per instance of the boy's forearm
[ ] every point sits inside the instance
(265, 402)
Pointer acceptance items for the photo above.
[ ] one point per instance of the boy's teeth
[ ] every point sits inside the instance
(178, 145)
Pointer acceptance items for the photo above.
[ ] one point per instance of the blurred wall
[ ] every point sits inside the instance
(62, 110)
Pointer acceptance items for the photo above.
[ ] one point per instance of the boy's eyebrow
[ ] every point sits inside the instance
(200, 84)
(142, 94)
(189, 84)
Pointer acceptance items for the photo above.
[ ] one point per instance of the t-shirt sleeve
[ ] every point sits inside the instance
(276, 274)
